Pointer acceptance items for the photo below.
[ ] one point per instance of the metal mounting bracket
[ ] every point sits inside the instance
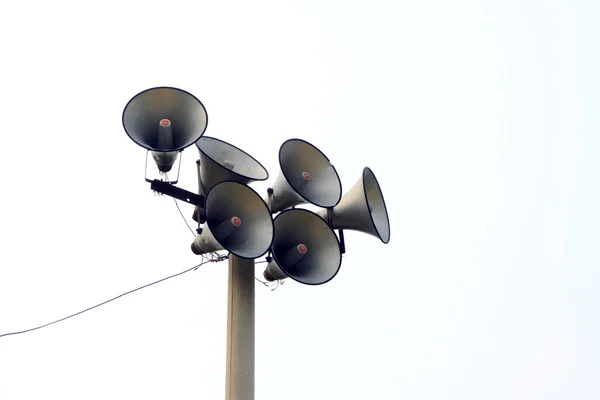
(342, 241)
(177, 193)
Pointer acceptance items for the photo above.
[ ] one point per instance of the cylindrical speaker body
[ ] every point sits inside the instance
(273, 272)
(205, 242)
(165, 160)
(284, 196)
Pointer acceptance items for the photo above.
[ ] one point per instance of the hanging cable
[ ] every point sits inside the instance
(184, 220)
(179, 209)
(263, 282)
(195, 267)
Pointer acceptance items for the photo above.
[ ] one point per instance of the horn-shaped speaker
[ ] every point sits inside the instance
(221, 161)
(164, 120)
(237, 220)
(362, 209)
(306, 176)
(304, 249)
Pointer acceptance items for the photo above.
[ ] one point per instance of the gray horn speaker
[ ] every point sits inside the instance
(221, 161)
(307, 176)
(304, 249)
(164, 120)
(362, 209)
(237, 220)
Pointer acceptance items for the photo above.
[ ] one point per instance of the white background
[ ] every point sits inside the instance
(479, 119)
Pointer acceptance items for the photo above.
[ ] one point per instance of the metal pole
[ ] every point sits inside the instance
(197, 214)
(239, 377)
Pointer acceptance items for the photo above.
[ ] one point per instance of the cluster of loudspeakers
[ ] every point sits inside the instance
(302, 245)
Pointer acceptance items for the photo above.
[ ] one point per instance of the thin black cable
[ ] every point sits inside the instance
(184, 220)
(108, 301)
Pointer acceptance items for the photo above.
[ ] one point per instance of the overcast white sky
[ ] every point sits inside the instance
(480, 120)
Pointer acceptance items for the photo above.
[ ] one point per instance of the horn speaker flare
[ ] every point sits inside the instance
(304, 249)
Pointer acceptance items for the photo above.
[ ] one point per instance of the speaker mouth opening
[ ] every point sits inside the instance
(288, 176)
(260, 174)
(134, 112)
(322, 246)
(374, 199)
(251, 232)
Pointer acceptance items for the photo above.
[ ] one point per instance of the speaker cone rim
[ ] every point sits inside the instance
(180, 148)
(240, 150)
(366, 171)
(339, 266)
(339, 182)
(266, 207)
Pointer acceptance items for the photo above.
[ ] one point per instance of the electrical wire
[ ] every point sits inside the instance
(276, 284)
(267, 284)
(263, 282)
(114, 298)
(184, 220)
(180, 213)
(213, 257)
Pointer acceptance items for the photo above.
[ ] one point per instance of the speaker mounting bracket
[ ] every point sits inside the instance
(177, 193)
(330, 217)
(270, 198)
(342, 241)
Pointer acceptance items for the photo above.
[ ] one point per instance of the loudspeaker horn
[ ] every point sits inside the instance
(221, 161)
(306, 176)
(362, 209)
(304, 249)
(164, 120)
(237, 220)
